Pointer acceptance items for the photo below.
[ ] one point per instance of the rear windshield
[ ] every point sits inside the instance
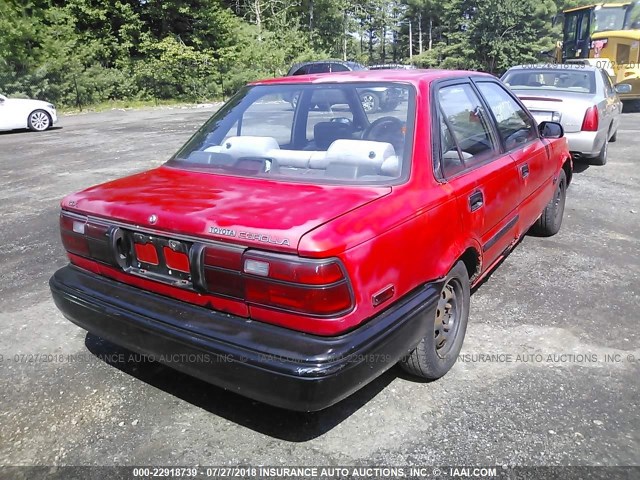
(576, 80)
(337, 133)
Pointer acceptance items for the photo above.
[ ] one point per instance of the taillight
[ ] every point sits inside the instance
(222, 267)
(590, 122)
(81, 237)
(305, 286)
(312, 287)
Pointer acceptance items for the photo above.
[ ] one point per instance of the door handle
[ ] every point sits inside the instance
(476, 200)
(524, 170)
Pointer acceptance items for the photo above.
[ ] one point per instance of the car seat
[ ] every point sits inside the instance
(325, 133)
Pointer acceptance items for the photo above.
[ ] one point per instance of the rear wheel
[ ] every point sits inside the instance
(438, 350)
(601, 159)
(551, 219)
(39, 121)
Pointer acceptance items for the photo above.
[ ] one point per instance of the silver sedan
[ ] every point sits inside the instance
(581, 97)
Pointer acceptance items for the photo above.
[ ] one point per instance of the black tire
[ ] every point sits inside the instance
(390, 106)
(39, 121)
(551, 219)
(370, 102)
(601, 159)
(614, 137)
(438, 351)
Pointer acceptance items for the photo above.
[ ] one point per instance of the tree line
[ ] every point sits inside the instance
(79, 52)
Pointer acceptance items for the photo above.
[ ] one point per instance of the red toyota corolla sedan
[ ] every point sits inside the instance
(293, 254)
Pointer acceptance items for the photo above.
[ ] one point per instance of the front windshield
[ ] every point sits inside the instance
(608, 18)
(632, 21)
(575, 80)
(349, 132)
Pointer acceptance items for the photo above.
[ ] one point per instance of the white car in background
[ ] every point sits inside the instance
(18, 113)
(580, 97)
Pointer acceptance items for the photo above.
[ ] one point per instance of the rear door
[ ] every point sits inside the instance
(613, 107)
(485, 181)
(519, 137)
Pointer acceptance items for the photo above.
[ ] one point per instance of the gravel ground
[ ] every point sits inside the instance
(560, 316)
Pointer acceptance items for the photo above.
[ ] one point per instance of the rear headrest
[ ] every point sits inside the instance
(360, 152)
(377, 157)
(325, 133)
(245, 146)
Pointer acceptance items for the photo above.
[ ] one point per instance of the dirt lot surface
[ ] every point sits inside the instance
(560, 317)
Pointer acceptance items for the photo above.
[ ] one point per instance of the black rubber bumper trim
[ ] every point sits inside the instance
(274, 365)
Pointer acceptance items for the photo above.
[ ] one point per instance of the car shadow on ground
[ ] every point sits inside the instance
(580, 166)
(631, 106)
(26, 130)
(275, 422)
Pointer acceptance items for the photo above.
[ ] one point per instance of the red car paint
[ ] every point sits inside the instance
(389, 239)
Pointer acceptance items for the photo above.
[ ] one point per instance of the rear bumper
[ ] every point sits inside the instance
(587, 144)
(274, 365)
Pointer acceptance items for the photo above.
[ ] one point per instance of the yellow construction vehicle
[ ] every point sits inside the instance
(606, 35)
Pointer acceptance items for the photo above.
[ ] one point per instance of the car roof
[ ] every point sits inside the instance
(347, 63)
(391, 66)
(328, 60)
(414, 77)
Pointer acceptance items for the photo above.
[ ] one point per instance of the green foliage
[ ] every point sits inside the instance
(80, 52)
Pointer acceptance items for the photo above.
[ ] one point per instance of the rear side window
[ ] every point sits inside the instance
(514, 125)
(338, 67)
(465, 129)
(319, 68)
(302, 70)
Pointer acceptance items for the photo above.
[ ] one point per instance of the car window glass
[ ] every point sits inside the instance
(469, 123)
(268, 107)
(570, 27)
(515, 126)
(578, 80)
(327, 105)
(451, 162)
(308, 131)
(584, 25)
(608, 84)
(319, 68)
(338, 67)
(302, 70)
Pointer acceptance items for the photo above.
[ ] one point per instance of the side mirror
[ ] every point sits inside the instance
(551, 130)
(623, 88)
(2, 98)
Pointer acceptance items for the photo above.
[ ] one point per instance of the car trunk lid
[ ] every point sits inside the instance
(252, 212)
(564, 106)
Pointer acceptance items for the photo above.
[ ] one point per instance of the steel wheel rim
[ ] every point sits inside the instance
(448, 313)
(368, 102)
(39, 120)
